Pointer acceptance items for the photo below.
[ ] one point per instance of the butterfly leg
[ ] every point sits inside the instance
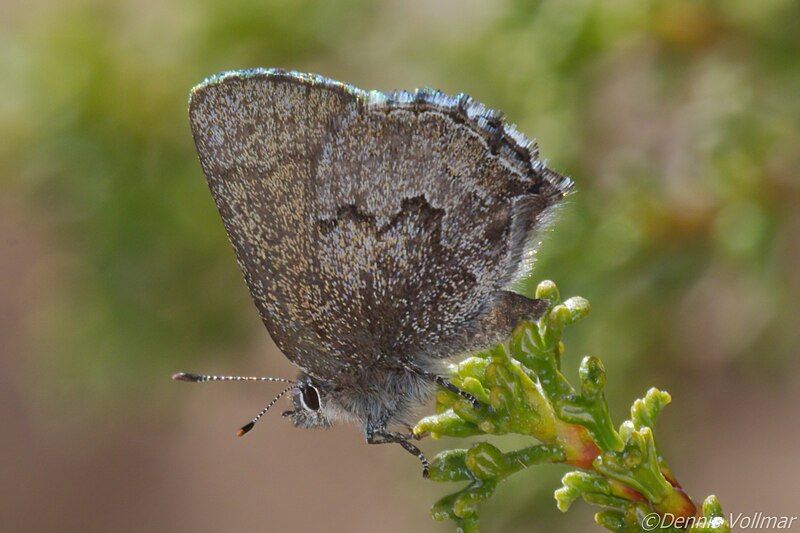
(381, 435)
(445, 384)
(411, 435)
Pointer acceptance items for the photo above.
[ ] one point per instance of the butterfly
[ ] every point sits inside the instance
(378, 234)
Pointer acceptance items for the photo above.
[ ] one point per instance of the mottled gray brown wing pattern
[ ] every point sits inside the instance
(367, 225)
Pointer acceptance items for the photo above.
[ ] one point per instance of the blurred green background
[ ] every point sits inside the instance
(679, 121)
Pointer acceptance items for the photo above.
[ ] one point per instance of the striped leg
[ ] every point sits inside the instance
(445, 383)
(382, 436)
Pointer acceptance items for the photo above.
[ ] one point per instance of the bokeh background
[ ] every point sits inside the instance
(678, 119)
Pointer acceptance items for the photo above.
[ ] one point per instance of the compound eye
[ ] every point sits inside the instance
(309, 397)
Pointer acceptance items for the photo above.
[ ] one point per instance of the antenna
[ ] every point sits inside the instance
(247, 427)
(197, 378)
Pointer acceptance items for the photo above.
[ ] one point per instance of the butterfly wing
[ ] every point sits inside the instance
(367, 225)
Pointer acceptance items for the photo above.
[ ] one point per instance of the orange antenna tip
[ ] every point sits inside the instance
(245, 428)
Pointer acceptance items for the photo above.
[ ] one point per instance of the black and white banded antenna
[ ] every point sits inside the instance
(247, 427)
(198, 378)
(201, 378)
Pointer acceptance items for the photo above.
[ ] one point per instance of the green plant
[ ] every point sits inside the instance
(522, 390)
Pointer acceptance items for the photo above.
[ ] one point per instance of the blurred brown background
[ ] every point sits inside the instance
(678, 119)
